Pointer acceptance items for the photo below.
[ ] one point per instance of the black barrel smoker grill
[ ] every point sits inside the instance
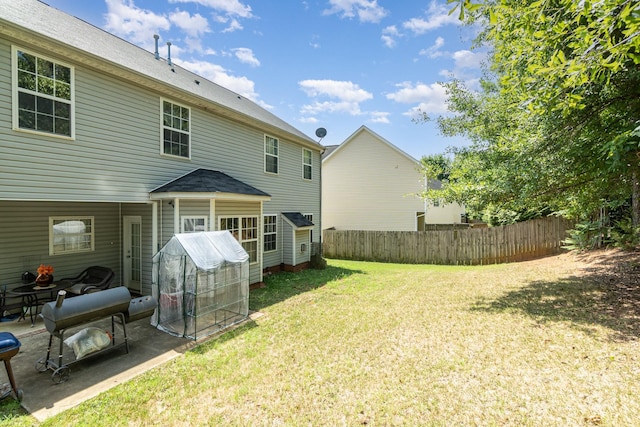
(63, 313)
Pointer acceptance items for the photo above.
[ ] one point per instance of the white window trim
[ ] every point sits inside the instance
(91, 234)
(275, 233)
(269, 154)
(14, 95)
(309, 216)
(162, 101)
(305, 150)
(240, 229)
(185, 218)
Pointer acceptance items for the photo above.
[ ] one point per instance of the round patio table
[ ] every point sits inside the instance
(33, 296)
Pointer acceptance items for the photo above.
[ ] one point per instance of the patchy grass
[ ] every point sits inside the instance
(549, 342)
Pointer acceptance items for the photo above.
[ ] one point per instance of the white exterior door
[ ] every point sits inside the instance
(132, 252)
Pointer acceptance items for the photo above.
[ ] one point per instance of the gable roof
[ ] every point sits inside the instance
(361, 129)
(297, 220)
(98, 49)
(207, 182)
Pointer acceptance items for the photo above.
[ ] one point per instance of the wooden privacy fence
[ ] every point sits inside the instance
(487, 245)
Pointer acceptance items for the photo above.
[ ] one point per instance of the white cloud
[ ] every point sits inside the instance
(437, 16)
(351, 108)
(217, 74)
(234, 25)
(434, 50)
(245, 55)
(311, 120)
(365, 10)
(467, 59)
(138, 25)
(429, 98)
(345, 97)
(194, 25)
(345, 91)
(379, 117)
(389, 35)
(228, 7)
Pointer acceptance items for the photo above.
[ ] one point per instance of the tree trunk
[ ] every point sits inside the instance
(635, 200)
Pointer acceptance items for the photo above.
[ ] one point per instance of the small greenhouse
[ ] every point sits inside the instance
(201, 283)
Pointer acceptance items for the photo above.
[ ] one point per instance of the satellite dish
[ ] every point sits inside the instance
(321, 132)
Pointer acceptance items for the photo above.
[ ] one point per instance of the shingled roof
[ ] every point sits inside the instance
(96, 48)
(297, 219)
(209, 181)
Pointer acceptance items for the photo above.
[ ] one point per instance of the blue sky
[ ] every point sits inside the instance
(336, 64)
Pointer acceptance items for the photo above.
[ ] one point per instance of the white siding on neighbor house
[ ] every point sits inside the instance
(445, 213)
(368, 185)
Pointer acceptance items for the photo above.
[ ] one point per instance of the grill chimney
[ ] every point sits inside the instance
(169, 53)
(155, 36)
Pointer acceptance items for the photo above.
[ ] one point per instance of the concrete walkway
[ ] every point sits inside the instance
(148, 348)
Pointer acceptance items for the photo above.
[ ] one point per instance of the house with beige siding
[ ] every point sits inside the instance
(108, 150)
(370, 184)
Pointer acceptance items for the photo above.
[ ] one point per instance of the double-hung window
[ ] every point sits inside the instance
(307, 163)
(176, 130)
(71, 234)
(270, 154)
(245, 230)
(270, 233)
(43, 94)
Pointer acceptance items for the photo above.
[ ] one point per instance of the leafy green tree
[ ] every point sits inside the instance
(556, 126)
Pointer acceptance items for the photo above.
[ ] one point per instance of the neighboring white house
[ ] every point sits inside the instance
(370, 184)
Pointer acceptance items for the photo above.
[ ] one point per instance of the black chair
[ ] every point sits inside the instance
(6, 305)
(92, 279)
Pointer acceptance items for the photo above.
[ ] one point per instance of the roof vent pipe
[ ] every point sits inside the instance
(155, 36)
(169, 53)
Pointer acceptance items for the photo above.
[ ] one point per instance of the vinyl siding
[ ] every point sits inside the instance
(24, 244)
(144, 211)
(115, 161)
(368, 185)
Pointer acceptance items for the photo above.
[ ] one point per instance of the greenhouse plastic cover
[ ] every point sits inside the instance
(201, 283)
(208, 250)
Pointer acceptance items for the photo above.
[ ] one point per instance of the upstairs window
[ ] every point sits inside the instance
(176, 130)
(307, 164)
(270, 154)
(43, 94)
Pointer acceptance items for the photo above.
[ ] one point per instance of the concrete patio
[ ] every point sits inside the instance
(43, 398)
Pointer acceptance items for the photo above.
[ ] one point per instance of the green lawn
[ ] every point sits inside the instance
(528, 344)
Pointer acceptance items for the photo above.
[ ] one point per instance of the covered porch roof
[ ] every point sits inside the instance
(208, 184)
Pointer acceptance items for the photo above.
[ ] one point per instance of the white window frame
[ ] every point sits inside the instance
(186, 219)
(272, 231)
(54, 243)
(17, 90)
(307, 165)
(309, 216)
(268, 154)
(241, 230)
(171, 128)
